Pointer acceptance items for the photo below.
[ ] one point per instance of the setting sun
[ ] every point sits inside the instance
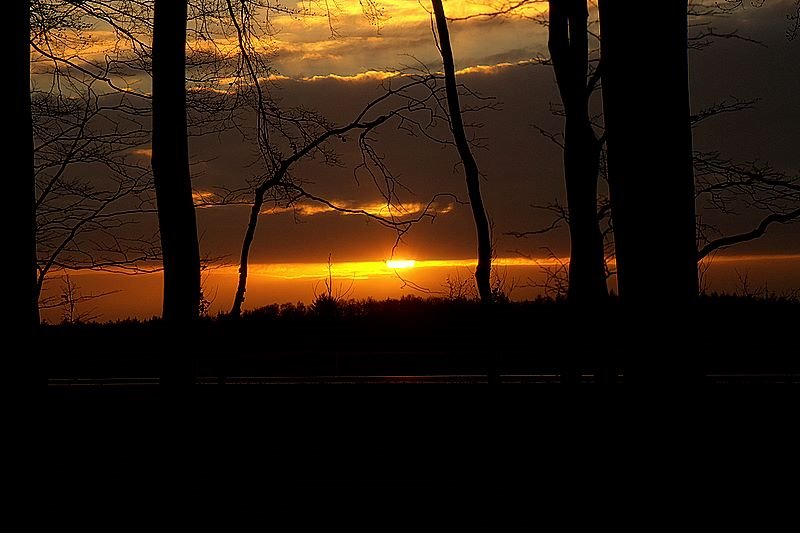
(401, 263)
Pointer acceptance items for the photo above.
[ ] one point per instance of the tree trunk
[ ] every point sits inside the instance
(483, 270)
(569, 51)
(176, 214)
(649, 142)
(22, 150)
(241, 287)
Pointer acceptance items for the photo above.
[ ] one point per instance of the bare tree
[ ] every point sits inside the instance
(716, 179)
(472, 174)
(92, 185)
(577, 77)
(724, 186)
(395, 105)
(92, 114)
(92, 127)
(71, 299)
(732, 188)
(176, 215)
(90, 135)
(794, 22)
(569, 54)
(411, 102)
(24, 184)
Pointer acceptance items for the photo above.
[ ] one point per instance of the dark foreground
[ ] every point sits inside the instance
(114, 447)
(721, 340)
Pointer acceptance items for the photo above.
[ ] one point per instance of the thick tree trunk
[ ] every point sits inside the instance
(569, 51)
(22, 151)
(646, 109)
(176, 214)
(483, 270)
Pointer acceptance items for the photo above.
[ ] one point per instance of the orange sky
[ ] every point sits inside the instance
(338, 74)
(140, 296)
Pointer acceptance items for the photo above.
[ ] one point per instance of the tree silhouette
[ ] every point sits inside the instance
(577, 77)
(92, 139)
(721, 185)
(22, 148)
(413, 102)
(649, 143)
(729, 187)
(482, 229)
(170, 161)
(315, 134)
(569, 54)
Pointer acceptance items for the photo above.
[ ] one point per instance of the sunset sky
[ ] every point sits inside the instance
(337, 74)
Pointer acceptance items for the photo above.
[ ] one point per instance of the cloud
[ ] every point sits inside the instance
(308, 47)
(369, 75)
(347, 47)
(376, 208)
(206, 199)
(381, 75)
(144, 152)
(494, 69)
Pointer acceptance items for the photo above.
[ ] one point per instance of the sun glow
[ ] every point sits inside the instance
(400, 263)
(276, 283)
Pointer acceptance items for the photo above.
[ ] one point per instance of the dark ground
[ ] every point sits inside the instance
(474, 457)
(722, 338)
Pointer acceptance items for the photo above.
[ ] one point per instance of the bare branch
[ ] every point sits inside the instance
(755, 233)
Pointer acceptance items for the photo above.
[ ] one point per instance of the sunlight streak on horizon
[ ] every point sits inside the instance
(300, 269)
(374, 269)
(140, 295)
(400, 263)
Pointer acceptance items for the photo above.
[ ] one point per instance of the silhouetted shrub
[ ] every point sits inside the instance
(326, 306)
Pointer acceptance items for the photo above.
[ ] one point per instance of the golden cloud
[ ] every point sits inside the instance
(369, 75)
(315, 47)
(378, 209)
(144, 152)
(494, 69)
(205, 199)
